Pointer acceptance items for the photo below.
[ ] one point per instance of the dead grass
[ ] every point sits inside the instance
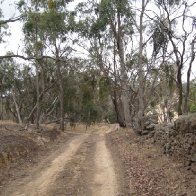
(16, 144)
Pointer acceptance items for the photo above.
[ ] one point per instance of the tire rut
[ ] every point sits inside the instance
(105, 179)
(75, 178)
(43, 178)
(83, 167)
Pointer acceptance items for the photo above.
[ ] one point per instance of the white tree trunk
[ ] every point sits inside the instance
(17, 107)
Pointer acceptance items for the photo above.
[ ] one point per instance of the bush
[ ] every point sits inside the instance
(193, 108)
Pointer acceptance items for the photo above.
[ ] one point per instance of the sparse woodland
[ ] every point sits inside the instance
(110, 60)
(99, 98)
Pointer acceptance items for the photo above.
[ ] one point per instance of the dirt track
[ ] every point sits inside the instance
(100, 162)
(82, 166)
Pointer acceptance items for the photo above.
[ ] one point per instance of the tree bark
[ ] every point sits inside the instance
(37, 98)
(37, 72)
(61, 94)
(116, 96)
(17, 107)
(178, 55)
(188, 77)
(141, 90)
(118, 108)
(124, 79)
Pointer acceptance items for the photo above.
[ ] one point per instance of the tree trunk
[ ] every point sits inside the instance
(188, 78)
(37, 97)
(179, 64)
(17, 108)
(2, 108)
(61, 94)
(118, 109)
(141, 107)
(37, 72)
(124, 79)
(180, 89)
(116, 96)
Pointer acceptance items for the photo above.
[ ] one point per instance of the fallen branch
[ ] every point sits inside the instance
(40, 96)
(53, 121)
(25, 128)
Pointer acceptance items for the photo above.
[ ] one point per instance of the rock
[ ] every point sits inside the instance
(186, 124)
(178, 139)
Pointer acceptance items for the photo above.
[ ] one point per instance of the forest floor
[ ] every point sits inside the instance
(102, 161)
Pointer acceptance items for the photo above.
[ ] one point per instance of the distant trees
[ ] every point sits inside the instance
(46, 31)
(132, 56)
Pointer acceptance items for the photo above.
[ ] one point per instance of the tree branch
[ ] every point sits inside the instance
(2, 22)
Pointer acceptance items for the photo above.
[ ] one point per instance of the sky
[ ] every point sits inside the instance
(14, 42)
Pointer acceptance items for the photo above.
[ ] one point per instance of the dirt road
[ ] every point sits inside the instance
(99, 162)
(82, 166)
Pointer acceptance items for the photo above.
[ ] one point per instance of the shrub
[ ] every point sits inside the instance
(193, 108)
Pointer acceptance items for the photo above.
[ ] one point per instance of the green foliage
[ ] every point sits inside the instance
(98, 16)
(8, 70)
(52, 24)
(169, 75)
(108, 10)
(193, 108)
(159, 37)
(48, 22)
(104, 88)
(51, 4)
(98, 26)
(192, 96)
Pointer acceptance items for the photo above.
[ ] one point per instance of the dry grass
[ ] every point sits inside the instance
(4, 122)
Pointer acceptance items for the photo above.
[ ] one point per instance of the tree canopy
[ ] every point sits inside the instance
(110, 60)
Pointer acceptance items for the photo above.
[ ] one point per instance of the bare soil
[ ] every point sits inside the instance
(41, 178)
(100, 161)
(82, 165)
(22, 149)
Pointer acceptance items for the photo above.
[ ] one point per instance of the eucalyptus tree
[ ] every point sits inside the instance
(10, 87)
(109, 31)
(118, 16)
(192, 59)
(166, 92)
(141, 24)
(175, 15)
(46, 29)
